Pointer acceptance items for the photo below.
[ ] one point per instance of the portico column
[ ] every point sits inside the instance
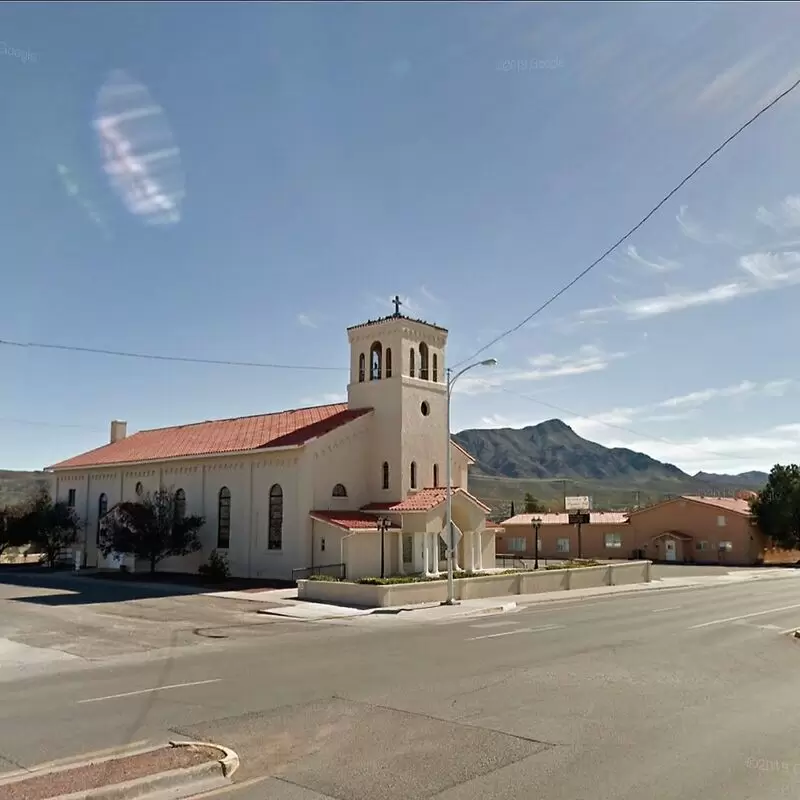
(434, 545)
(479, 544)
(456, 566)
(422, 541)
(401, 569)
(469, 550)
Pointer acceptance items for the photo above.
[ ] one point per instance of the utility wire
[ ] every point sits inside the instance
(635, 228)
(154, 357)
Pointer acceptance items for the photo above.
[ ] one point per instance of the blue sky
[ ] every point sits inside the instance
(299, 164)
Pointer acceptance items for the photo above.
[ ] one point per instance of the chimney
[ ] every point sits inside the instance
(119, 430)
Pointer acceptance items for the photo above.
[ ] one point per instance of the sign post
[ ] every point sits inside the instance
(578, 509)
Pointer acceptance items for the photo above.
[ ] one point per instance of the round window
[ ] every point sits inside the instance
(425, 408)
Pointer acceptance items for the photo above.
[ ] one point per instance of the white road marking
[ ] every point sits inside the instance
(493, 625)
(515, 632)
(146, 691)
(668, 608)
(744, 616)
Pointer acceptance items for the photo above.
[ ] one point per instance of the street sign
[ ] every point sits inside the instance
(582, 503)
(579, 519)
(457, 534)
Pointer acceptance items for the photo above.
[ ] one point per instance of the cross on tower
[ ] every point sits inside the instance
(397, 303)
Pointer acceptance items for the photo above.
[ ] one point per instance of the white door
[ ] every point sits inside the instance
(669, 549)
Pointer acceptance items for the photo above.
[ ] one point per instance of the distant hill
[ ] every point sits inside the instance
(17, 485)
(550, 461)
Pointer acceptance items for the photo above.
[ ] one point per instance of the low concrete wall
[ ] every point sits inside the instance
(399, 594)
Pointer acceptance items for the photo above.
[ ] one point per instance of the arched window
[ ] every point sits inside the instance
(224, 519)
(139, 489)
(375, 359)
(388, 362)
(411, 364)
(362, 368)
(435, 361)
(435, 475)
(102, 510)
(180, 504)
(275, 533)
(423, 361)
(385, 474)
(339, 490)
(413, 474)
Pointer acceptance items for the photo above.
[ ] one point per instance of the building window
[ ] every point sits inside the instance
(701, 545)
(442, 549)
(102, 510)
(385, 474)
(275, 535)
(518, 544)
(613, 540)
(139, 489)
(339, 490)
(408, 549)
(375, 361)
(435, 362)
(562, 545)
(725, 547)
(413, 474)
(71, 498)
(224, 519)
(322, 545)
(721, 521)
(362, 368)
(435, 475)
(424, 408)
(423, 361)
(388, 362)
(411, 363)
(180, 504)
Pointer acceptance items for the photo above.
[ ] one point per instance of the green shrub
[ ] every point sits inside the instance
(323, 578)
(217, 569)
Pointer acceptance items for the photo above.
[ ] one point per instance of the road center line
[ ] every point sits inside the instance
(668, 608)
(146, 691)
(515, 632)
(493, 625)
(744, 616)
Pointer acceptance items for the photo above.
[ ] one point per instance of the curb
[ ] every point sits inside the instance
(181, 783)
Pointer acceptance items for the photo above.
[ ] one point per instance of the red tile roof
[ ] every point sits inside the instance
(261, 432)
(423, 500)
(349, 520)
(735, 504)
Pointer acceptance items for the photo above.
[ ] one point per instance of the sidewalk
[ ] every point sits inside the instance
(291, 607)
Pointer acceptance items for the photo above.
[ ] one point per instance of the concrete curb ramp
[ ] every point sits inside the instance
(176, 783)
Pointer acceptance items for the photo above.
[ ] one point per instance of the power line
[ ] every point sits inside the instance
(636, 227)
(154, 357)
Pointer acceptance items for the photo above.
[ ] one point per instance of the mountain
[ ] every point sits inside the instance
(17, 485)
(747, 479)
(553, 450)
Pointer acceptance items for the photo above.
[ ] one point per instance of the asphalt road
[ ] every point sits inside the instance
(670, 694)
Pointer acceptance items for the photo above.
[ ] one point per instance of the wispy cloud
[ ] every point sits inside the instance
(678, 407)
(428, 294)
(783, 218)
(693, 230)
(306, 321)
(587, 359)
(724, 90)
(325, 399)
(73, 190)
(659, 265)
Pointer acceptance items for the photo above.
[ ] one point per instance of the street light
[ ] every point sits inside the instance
(383, 524)
(537, 523)
(451, 379)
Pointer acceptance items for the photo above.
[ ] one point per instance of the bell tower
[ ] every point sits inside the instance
(397, 368)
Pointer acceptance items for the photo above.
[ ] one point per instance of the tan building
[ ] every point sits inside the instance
(305, 488)
(701, 530)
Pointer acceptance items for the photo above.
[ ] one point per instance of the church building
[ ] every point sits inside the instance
(308, 488)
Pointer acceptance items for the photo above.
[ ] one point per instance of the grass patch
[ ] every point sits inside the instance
(574, 564)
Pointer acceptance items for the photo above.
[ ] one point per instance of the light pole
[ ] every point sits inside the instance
(537, 523)
(383, 524)
(451, 549)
